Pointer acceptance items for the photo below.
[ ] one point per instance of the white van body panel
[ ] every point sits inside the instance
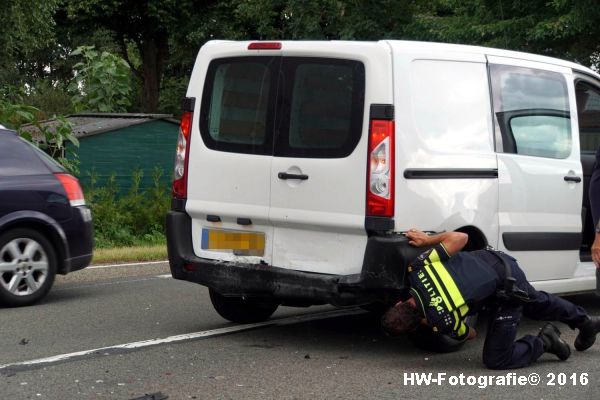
(443, 121)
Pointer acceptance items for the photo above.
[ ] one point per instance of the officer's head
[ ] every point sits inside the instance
(404, 317)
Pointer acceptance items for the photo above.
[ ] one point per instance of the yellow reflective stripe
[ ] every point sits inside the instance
(462, 329)
(458, 320)
(440, 289)
(464, 309)
(434, 256)
(448, 283)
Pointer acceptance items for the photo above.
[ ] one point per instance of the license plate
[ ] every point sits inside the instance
(241, 243)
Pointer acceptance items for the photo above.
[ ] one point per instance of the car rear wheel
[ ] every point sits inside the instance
(27, 267)
(242, 310)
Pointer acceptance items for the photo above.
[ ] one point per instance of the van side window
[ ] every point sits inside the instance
(588, 111)
(237, 104)
(323, 106)
(532, 111)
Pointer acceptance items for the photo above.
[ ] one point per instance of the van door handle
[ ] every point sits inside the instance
(571, 178)
(285, 175)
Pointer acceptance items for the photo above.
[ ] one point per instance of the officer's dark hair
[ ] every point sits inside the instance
(402, 318)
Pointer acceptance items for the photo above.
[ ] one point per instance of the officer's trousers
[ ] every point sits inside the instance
(500, 350)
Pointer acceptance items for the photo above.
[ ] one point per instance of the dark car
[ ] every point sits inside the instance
(45, 225)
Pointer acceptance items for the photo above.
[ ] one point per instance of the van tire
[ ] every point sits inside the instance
(242, 310)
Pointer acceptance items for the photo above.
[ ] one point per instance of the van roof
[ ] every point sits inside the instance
(404, 45)
(408, 45)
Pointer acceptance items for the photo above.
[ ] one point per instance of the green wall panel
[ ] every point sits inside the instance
(121, 151)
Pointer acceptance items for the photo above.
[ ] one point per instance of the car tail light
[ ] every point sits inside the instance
(72, 188)
(181, 156)
(264, 46)
(380, 169)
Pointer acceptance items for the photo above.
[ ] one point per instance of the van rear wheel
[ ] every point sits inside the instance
(240, 309)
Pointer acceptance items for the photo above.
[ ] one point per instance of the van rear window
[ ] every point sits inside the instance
(283, 106)
(323, 107)
(237, 104)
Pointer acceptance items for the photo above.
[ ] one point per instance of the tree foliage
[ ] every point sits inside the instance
(562, 28)
(159, 39)
(101, 83)
(28, 27)
(150, 25)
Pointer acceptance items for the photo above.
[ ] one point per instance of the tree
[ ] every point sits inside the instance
(305, 20)
(149, 25)
(29, 26)
(561, 28)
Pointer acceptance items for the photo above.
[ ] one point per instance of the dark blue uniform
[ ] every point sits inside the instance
(594, 190)
(472, 281)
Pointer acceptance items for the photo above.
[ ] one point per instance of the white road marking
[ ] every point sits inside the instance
(127, 264)
(60, 288)
(164, 276)
(185, 337)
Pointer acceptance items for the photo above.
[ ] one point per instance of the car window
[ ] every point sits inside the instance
(588, 110)
(237, 104)
(532, 111)
(322, 107)
(17, 157)
(51, 163)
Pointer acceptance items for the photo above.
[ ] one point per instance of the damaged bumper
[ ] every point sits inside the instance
(382, 277)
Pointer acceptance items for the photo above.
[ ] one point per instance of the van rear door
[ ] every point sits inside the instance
(318, 173)
(231, 152)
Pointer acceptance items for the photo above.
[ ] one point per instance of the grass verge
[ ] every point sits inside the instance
(130, 254)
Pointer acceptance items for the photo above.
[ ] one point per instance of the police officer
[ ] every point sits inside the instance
(594, 194)
(447, 285)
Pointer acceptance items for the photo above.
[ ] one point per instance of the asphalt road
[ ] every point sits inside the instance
(93, 338)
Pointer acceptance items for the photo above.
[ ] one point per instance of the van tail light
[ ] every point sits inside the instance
(72, 188)
(380, 169)
(181, 156)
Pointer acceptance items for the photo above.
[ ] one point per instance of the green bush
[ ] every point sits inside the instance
(135, 218)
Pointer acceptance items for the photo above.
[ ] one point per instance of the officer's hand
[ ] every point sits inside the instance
(472, 333)
(596, 250)
(418, 238)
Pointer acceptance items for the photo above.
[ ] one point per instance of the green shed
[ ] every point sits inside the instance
(119, 144)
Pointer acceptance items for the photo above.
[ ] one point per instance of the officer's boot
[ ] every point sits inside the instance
(587, 333)
(550, 336)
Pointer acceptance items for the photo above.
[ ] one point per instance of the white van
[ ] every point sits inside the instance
(299, 165)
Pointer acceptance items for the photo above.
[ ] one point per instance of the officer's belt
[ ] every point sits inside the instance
(509, 291)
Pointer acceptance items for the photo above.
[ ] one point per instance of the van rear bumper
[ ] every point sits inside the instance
(382, 278)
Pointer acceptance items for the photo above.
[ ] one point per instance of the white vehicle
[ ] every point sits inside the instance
(300, 164)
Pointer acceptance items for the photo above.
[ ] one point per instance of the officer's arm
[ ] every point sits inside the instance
(453, 242)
